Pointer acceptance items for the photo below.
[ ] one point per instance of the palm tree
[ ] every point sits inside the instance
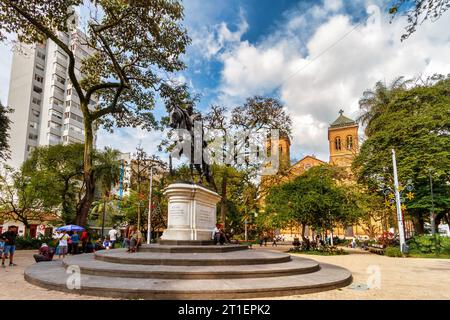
(107, 174)
(374, 102)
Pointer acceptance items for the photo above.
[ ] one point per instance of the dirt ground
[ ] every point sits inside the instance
(374, 277)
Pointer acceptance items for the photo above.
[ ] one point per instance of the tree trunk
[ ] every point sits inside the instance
(223, 201)
(418, 224)
(86, 202)
(303, 231)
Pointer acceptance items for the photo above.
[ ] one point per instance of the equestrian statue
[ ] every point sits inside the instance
(185, 119)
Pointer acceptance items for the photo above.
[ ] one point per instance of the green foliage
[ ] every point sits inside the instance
(56, 174)
(393, 252)
(4, 134)
(28, 243)
(134, 50)
(415, 122)
(418, 11)
(426, 244)
(20, 200)
(315, 198)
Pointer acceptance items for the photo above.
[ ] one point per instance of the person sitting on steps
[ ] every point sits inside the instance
(134, 239)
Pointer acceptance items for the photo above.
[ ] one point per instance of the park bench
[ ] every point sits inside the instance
(377, 248)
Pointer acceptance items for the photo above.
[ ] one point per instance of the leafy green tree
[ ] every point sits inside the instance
(257, 116)
(316, 199)
(4, 134)
(21, 201)
(415, 122)
(107, 174)
(418, 11)
(134, 45)
(56, 172)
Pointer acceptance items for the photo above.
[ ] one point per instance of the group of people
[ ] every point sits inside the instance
(68, 242)
(8, 245)
(264, 238)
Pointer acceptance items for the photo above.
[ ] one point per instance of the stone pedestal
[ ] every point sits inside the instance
(191, 212)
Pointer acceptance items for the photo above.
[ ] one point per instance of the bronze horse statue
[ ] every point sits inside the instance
(185, 119)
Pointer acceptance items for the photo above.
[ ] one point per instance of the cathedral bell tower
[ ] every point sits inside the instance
(343, 141)
(284, 152)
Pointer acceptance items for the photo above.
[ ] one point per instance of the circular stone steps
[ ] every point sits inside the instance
(241, 257)
(187, 271)
(190, 248)
(89, 265)
(52, 275)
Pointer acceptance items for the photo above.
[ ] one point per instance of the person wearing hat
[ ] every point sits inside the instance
(45, 254)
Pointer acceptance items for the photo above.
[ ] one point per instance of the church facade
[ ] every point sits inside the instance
(343, 143)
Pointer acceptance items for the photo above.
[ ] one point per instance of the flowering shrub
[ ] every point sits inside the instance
(386, 239)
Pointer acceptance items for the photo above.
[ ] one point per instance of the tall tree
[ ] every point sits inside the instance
(20, 200)
(316, 199)
(4, 134)
(56, 172)
(414, 122)
(418, 11)
(255, 118)
(134, 45)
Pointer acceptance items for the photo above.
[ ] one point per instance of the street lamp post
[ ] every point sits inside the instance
(245, 222)
(403, 247)
(432, 222)
(149, 218)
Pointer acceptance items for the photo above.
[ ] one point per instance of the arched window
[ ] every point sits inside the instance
(349, 142)
(337, 143)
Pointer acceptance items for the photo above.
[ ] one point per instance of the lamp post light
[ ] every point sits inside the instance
(245, 222)
(149, 218)
(396, 199)
(432, 221)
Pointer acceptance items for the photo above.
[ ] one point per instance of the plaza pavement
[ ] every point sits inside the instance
(399, 278)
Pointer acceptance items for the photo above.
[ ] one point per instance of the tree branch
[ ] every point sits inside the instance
(111, 108)
(106, 85)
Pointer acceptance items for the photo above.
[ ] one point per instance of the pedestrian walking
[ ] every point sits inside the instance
(9, 238)
(274, 242)
(113, 236)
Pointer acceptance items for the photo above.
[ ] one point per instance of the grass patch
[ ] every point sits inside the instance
(428, 256)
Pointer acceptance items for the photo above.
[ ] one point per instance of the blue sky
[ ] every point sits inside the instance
(315, 56)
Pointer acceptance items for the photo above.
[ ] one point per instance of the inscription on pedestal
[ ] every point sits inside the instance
(178, 214)
(204, 217)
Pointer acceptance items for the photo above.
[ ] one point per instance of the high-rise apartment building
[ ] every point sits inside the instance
(46, 107)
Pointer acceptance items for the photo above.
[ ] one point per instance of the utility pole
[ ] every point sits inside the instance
(139, 197)
(149, 218)
(401, 231)
(103, 217)
(432, 222)
(245, 222)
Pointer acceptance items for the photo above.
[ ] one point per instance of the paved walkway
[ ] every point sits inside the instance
(399, 278)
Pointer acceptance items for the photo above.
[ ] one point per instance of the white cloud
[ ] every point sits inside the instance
(210, 42)
(127, 139)
(339, 62)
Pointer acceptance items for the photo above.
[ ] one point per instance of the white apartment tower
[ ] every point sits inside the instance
(46, 107)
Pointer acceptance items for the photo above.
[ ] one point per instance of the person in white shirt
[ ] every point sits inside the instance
(62, 246)
(113, 236)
